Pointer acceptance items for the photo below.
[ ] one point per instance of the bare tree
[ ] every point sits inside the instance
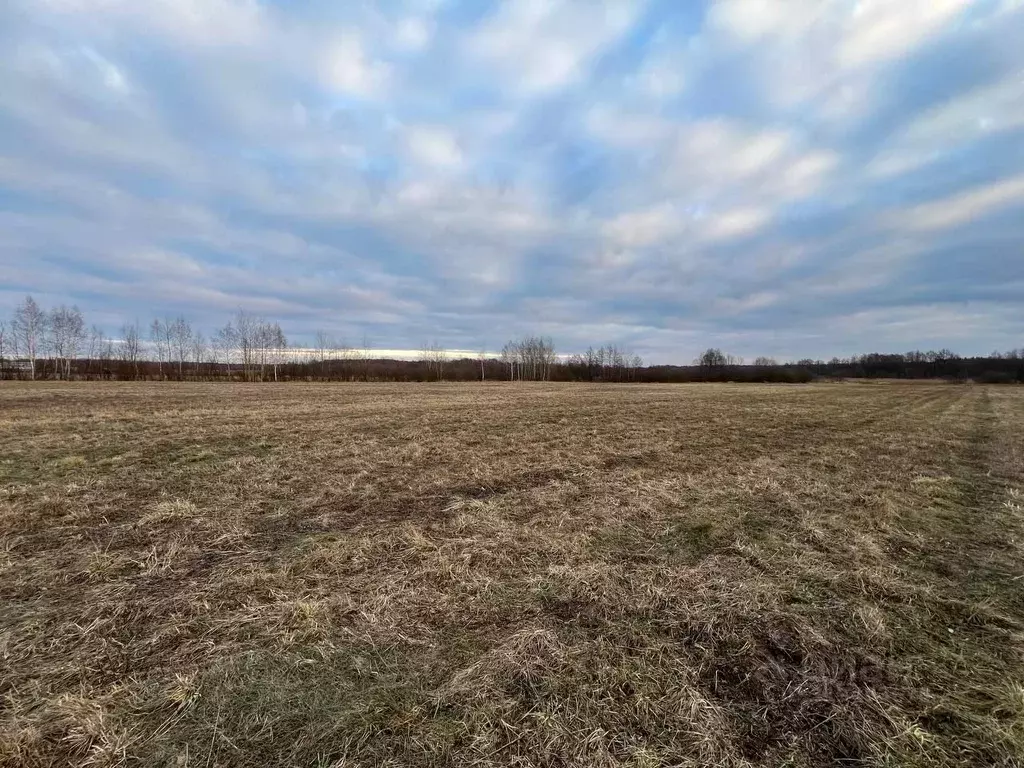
(199, 351)
(635, 364)
(4, 344)
(323, 346)
(95, 349)
(28, 331)
(247, 339)
(247, 342)
(364, 356)
(530, 358)
(765, 362)
(223, 345)
(277, 344)
(592, 360)
(509, 355)
(347, 353)
(131, 346)
(264, 346)
(179, 341)
(67, 336)
(160, 335)
(435, 356)
(106, 354)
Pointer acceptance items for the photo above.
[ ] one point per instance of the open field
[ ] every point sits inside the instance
(528, 575)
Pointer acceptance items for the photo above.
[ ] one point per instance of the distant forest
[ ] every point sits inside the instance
(58, 344)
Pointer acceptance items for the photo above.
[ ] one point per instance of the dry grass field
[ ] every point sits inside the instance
(513, 575)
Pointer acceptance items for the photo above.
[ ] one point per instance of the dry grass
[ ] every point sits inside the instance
(541, 575)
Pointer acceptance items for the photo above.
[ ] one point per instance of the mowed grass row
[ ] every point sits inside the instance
(529, 575)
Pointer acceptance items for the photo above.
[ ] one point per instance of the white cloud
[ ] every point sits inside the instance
(717, 178)
(643, 228)
(932, 325)
(708, 153)
(195, 22)
(733, 306)
(112, 75)
(751, 20)
(662, 79)
(758, 152)
(882, 29)
(544, 45)
(821, 53)
(963, 207)
(724, 159)
(984, 111)
(735, 223)
(412, 34)
(628, 130)
(803, 175)
(348, 68)
(434, 146)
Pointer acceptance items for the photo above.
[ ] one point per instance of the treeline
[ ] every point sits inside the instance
(58, 343)
(996, 368)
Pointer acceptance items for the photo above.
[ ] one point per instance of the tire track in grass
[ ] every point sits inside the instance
(963, 651)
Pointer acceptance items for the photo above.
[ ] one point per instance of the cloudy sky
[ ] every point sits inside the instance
(785, 177)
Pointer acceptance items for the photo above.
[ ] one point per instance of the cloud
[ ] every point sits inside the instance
(752, 20)
(412, 34)
(983, 112)
(880, 30)
(964, 207)
(347, 67)
(434, 146)
(204, 23)
(735, 223)
(540, 46)
(793, 179)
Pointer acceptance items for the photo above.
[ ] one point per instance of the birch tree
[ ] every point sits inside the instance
(531, 358)
(281, 347)
(67, 335)
(508, 357)
(241, 339)
(275, 344)
(323, 344)
(28, 330)
(247, 327)
(179, 341)
(159, 334)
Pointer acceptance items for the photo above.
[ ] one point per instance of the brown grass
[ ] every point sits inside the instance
(533, 575)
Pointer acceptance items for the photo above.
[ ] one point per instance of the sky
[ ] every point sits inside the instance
(790, 178)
